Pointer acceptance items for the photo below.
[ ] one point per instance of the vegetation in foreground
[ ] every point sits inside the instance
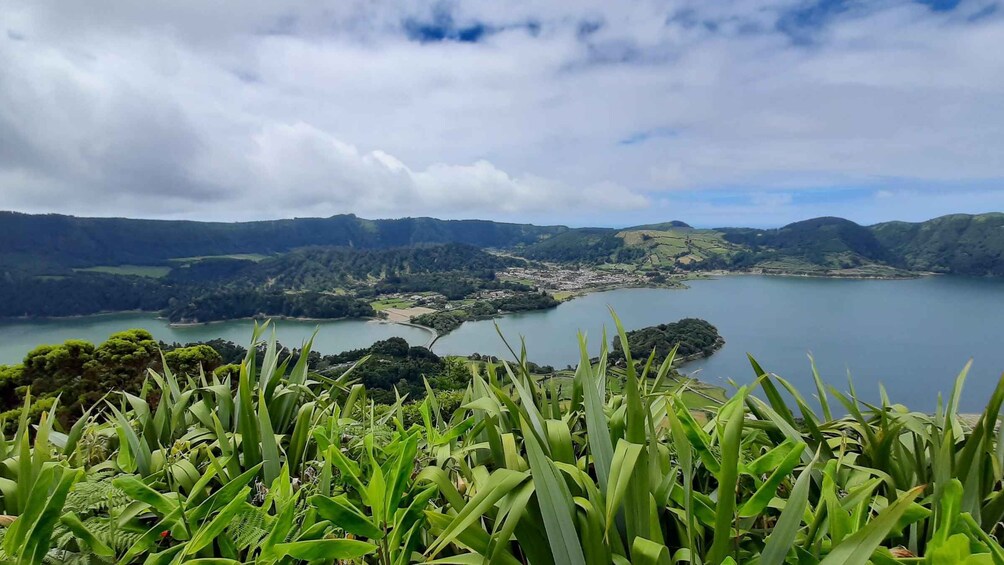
(278, 464)
(81, 374)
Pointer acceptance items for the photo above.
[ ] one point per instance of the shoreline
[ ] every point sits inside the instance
(258, 318)
(905, 277)
(434, 334)
(681, 284)
(681, 361)
(105, 313)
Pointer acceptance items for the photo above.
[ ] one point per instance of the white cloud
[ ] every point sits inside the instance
(186, 109)
(303, 165)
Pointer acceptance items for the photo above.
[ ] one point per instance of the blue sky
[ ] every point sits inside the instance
(732, 112)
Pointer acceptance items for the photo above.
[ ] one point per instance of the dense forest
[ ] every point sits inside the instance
(253, 303)
(960, 243)
(54, 244)
(311, 283)
(447, 321)
(813, 240)
(586, 245)
(85, 293)
(692, 336)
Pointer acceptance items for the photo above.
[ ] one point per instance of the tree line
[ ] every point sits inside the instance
(313, 283)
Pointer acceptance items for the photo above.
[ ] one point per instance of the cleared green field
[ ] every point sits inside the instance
(527, 282)
(682, 245)
(151, 271)
(383, 304)
(256, 257)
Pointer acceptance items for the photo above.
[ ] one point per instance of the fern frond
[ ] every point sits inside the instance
(95, 495)
(249, 527)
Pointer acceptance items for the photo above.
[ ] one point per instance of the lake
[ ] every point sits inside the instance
(335, 336)
(912, 335)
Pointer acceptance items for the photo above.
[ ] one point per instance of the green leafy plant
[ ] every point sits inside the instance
(283, 465)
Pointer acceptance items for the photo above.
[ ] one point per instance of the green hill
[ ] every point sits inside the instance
(959, 243)
(676, 246)
(824, 243)
(816, 240)
(590, 245)
(54, 244)
(660, 226)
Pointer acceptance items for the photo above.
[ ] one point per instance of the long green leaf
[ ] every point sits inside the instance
(556, 505)
(782, 536)
(858, 548)
(326, 549)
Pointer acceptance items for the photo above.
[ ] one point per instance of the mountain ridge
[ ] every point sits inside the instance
(972, 244)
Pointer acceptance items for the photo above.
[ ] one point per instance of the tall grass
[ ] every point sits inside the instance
(282, 465)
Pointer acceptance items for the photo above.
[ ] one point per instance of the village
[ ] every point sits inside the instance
(561, 279)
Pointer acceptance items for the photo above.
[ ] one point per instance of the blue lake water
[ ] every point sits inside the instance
(911, 335)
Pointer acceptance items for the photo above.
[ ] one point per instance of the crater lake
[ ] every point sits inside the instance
(913, 336)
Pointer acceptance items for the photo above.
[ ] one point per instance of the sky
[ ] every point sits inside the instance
(586, 112)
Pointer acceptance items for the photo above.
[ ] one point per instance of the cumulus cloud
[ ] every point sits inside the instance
(308, 167)
(591, 112)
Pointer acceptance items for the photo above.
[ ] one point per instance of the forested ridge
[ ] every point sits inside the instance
(315, 282)
(196, 271)
(55, 245)
(52, 244)
(957, 244)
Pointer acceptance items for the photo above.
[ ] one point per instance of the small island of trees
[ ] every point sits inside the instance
(696, 338)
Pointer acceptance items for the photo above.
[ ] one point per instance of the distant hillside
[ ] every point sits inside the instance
(56, 245)
(960, 243)
(53, 244)
(321, 268)
(593, 245)
(813, 239)
(661, 226)
(318, 282)
(832, 243)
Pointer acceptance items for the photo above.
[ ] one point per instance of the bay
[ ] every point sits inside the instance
(913, 336)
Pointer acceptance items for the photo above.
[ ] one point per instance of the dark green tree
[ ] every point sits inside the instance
(190, 360)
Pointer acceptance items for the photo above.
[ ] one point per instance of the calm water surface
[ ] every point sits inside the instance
(17, 338)
(911, 335)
